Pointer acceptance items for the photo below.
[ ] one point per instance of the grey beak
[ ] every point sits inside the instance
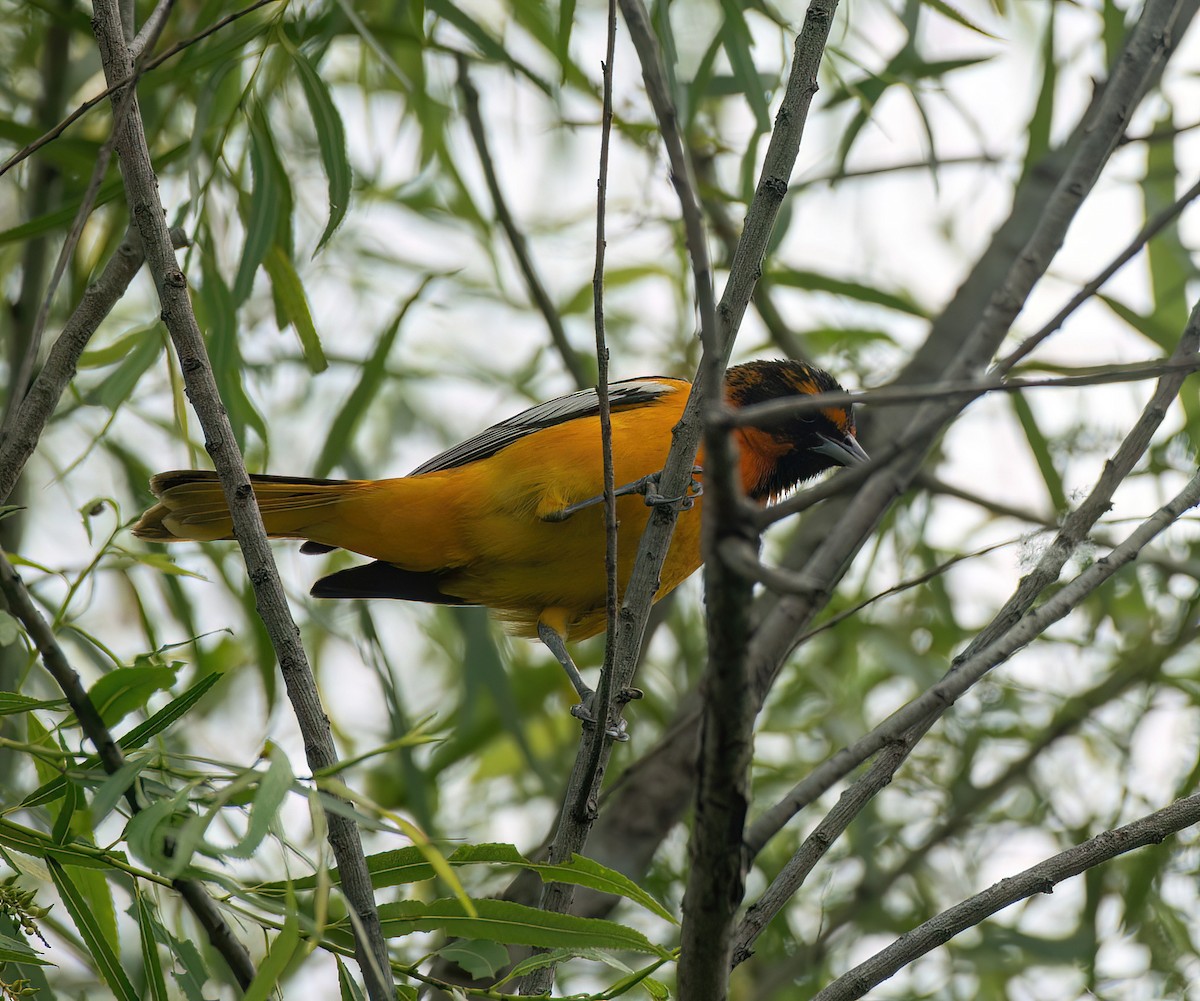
(844, 450)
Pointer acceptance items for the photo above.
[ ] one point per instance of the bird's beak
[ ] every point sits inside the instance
(844, 450)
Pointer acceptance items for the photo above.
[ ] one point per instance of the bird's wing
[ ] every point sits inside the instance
(585, 403)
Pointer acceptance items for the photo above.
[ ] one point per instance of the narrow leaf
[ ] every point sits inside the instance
(101, 951)
(289, 293)
(331, 138)
(513, 924)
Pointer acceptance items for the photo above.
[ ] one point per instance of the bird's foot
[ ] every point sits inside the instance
(647, 487)
(586, 711)
(685, 501)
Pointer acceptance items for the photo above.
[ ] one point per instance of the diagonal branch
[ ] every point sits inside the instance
(146, 209)
(516, 239)
(18, 442)
(196, 897)
(1041, 878)
(791, 616)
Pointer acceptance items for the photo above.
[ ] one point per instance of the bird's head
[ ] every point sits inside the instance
(775, 459)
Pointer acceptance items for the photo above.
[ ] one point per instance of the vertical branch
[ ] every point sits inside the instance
(717, 855)
(141, 191)
(579, 801)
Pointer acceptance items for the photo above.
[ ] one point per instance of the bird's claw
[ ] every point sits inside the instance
(585, 712)
(686, 500)
(645, 486)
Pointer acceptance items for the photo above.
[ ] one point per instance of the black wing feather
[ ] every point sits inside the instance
(585, 403)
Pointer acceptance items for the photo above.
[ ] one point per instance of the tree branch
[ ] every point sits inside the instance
(18, 443)
(579, 805)
(195, 896)
(147, 212)
(1041, 878)
(791, 616)
(516, 239)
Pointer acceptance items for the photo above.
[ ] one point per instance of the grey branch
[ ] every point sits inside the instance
(1041, 878)
(17, 443)
(141, 190)
(112, 759)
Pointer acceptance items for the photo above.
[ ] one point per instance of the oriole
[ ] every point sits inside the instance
(504, 519)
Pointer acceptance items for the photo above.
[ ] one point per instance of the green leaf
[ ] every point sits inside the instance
(143, 913)
(119, 385)
(280, 953)
(13, 702)
(347, 986)
(113, 788)
(513, 924)
(1042, 119)
(1170, 261)
(127, 689)
(102, 953)
(35, 843)
(160, 562)
(331, 138)
(374, 374)
(264, 207)
(1040, 446)
(735, 37)
(1151, 327)
(957, 16)
(14, 950)
(289, 293)
(480, 958)
(815, 282)
(273, 788)
(590, 873)
(219, 318)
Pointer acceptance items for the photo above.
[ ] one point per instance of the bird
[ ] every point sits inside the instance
(512, 518)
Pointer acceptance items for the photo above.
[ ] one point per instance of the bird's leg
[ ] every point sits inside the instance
(646, 486)
(586, 708)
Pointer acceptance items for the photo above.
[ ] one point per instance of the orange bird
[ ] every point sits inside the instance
(511, 519)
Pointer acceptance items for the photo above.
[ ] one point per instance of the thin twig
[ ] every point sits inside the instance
(147, 212)
(147, 37)
(778, 411)
(26, 151)
(516, 239)
(579, 803)
(1151, 229)
(573, 829)
(1041, 878)
(199, 902)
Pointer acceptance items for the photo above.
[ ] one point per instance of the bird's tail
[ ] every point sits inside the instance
(191, 506)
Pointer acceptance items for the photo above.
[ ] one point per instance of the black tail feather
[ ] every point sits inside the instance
(383, 580)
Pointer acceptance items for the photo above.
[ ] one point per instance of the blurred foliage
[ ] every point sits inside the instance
(362, 309)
